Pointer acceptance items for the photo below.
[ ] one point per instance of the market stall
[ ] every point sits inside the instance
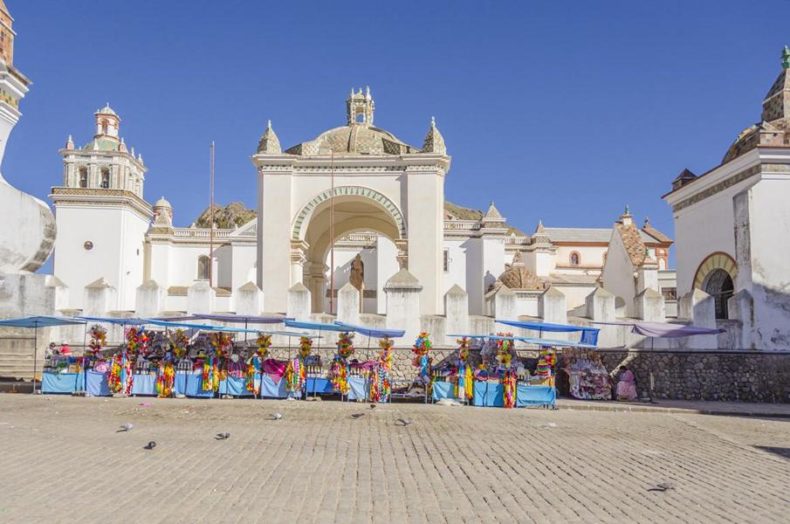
(371, 379)
(55, 384)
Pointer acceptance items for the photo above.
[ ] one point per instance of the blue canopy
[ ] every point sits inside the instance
(589, 334)
(202, 327)
(243, 319)
(372, 332)
(288, 334)
(115, 320)
(545, 342)
(315, 326)
(40, 321)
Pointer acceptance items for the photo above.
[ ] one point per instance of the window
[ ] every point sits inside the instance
(104, 127)
(105, 178)
(446, 260)
(83, 177)
(203, 268)
(670, 293)
(575, 259)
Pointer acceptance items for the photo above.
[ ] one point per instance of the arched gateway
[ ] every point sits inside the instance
(354, 183)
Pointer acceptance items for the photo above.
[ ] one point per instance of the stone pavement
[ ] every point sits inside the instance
(62, 461)
(703, 407)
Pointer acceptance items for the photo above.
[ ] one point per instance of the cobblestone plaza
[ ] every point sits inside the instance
(63, 461)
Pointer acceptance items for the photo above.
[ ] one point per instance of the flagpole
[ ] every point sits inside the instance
(211, 217)
(332, 240)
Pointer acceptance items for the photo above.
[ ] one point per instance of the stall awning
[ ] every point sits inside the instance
(589, 334)
(665, 329)
(201, 327)
(116, 320)
(243, 319)
(314, 326)
(372, 332)
(40, 321)
(543, 342)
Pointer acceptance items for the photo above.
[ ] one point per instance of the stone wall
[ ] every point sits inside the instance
(707, 375)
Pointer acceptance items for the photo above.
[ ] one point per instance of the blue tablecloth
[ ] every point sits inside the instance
(234, 386)
(488, 394)
(442, 390)
(96, 384)
(319, 385)
(60, 382)
(271, 389)
(358, 388)
(195, 386)
(180, 383)
(526, 395)
(144, 384)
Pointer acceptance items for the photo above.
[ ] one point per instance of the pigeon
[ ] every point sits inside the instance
(403, 422)
(276, 416)
(125, 427)
(150, 445)
(357, 415)
(662, 486)
(222, 436)
(372, 406)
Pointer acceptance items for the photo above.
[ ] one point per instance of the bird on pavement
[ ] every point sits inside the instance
(125, 427)
(276, 416)
(150, 445)
(357, 415)
(222, 436)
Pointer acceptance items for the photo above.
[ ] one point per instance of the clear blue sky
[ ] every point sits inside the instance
(561, 111)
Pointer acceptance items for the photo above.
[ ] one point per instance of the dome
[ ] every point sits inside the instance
(106, 110)
(517, 276)
(162, 203)
(354, 139)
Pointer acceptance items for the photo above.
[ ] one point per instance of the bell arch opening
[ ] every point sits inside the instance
(365, 237)
(716, 277)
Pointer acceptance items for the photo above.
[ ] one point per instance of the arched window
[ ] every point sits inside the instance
(575, 258)
(104, 127)
(204, 265)
(105, 178)
(719, 285)
(83, 177)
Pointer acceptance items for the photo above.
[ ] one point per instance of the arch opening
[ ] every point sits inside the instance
(720, 286)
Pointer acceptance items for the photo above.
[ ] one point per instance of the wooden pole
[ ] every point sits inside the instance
(332, 240)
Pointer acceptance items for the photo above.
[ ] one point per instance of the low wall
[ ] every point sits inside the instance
(745, 376)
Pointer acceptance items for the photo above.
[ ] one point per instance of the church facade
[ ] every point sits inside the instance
(358, 188)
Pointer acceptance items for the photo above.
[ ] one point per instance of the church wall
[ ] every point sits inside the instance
(223, 256)
(474, 276)
(618, 274)
(184, 264)
(575, 295)
(702, 229)
(243, 264)
(493, 257)
(342, 273)
(387, 266)
(132, 259)
(76, 266)
(456, 265)
(590, 257)
(425, 217)
(159, 263)
(769, 248)
(274, 265)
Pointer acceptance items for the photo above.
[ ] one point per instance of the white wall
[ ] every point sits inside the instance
(618, 274)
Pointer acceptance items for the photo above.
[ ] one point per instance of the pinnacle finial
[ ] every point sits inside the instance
(433, 121)
(627, 210)
(269, 123)
(786, 58)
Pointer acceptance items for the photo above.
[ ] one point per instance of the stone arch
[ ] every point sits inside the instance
(716, 276)
(301, 221)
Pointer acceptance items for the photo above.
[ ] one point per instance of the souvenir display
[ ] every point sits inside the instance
(422, 346)
(588, 377)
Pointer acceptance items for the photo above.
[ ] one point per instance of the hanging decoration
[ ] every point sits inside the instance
(464, 387)
(179, 342)
(338, 375)
(165, 380)
(295, 375)
(222, 343)
(305, 347)
(345, 345)
(98, 339)
(509, 388)
(136, 340)
(422, 346)
(120, 378)
(380, 386)
(505, 350)
(263, 342)
(249, 377)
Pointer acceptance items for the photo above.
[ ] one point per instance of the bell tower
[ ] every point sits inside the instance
(360, 107)
(7, 35)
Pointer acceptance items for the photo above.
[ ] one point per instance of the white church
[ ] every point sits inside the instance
(355, 188)
(353, 225)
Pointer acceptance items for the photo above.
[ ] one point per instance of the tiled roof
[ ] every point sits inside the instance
(654, 233)
(632, 240)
